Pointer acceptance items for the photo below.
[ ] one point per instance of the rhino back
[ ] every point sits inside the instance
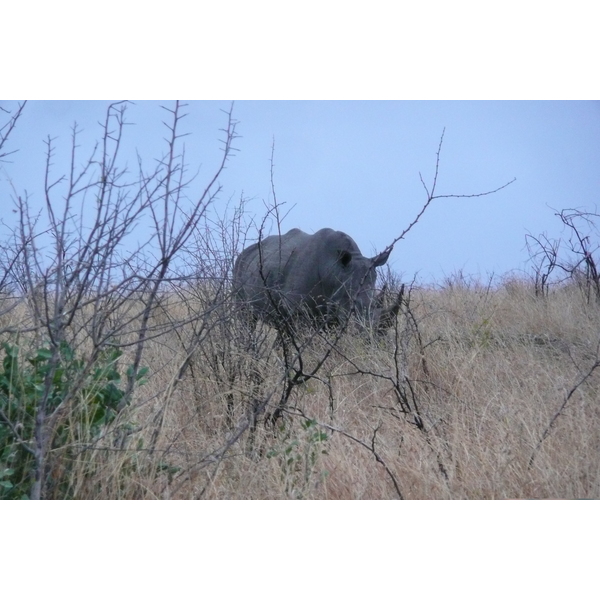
(315, 271)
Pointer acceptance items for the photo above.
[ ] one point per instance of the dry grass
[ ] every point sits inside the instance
(488, 368)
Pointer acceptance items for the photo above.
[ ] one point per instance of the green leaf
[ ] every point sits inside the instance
(43, 354)
(67, 352)
(11, 351)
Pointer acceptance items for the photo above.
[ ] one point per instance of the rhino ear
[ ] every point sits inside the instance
(381, 259)
(344, 257)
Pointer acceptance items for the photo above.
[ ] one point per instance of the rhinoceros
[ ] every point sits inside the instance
(321, 277)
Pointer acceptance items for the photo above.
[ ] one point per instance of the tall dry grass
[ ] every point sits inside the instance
(497, 376)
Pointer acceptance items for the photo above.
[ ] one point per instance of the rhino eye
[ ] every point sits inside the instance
(345, 258)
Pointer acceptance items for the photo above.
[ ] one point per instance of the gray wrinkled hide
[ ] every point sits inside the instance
(322, 276)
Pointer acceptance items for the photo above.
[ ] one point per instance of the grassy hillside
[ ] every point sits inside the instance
(478, 392)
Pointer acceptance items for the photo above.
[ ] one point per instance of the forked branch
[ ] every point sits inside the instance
(431, 195)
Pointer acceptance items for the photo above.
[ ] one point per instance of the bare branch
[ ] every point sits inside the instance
(7, 128)
(431, 195)
(586, 375)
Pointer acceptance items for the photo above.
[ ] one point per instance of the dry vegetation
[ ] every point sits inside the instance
(490, 374)
(127, 371)
(485, 371)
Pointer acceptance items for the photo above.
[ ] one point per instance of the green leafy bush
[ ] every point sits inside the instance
(78, 399)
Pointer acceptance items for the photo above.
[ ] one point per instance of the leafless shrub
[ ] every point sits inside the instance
(89, 288)
(583, 246)
(543, 254)
(575, 256)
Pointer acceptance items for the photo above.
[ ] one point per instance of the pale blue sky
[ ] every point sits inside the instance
(354, 166)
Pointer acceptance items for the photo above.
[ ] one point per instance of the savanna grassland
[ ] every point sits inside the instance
(477, 392)
(499, 380)
(128, 371)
